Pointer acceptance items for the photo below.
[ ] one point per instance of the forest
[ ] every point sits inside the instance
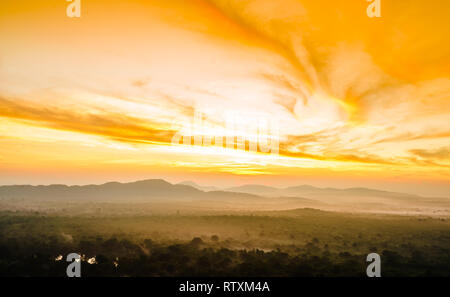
(302, 242)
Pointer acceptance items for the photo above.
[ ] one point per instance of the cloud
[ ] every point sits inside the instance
(442, 153)
(275, 22)
(128, 129)
(108, 124)
(403, 137)
(337, 50)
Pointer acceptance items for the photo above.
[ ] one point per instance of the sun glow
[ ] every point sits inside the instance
(339, 93)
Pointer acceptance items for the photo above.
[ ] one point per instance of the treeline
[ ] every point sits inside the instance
(113, 257)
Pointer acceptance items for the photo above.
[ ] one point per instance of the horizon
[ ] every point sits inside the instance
(224, 188)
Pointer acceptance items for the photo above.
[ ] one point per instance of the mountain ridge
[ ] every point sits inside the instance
(192, 187)
(246, 197)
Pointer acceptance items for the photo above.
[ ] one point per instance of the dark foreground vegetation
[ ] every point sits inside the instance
(303, 242)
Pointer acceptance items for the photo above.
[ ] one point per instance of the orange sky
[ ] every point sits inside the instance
(357, 101)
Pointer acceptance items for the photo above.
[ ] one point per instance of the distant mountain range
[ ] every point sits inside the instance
(197, 186)
(145, 190)
(242, 197)
(306, 190)
(303, 191)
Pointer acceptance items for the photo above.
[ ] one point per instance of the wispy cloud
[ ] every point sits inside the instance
(110, 125)
(442, 153)
(344, 89)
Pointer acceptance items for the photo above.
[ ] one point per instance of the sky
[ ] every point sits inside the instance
(323, 94)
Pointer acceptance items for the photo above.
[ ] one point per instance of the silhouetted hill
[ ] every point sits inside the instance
(307, 190)
(257, 190)
(143, 191)
(248, 197)
(197, 186)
